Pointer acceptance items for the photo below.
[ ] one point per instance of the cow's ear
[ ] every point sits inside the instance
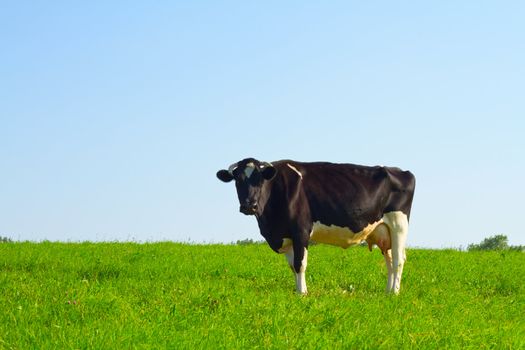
(269, 172)
(224, 175)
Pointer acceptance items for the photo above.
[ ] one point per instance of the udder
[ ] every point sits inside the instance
(381, 238)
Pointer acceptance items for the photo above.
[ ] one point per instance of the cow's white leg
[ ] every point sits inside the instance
(388, 263)
(398, 224)
(300, 277)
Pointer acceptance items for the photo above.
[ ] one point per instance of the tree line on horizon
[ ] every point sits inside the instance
(497, 242)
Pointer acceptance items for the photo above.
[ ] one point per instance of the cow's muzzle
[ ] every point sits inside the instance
(248, 208)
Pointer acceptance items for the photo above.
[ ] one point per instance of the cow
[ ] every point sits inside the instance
(337, 204)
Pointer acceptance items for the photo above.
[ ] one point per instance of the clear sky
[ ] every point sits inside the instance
(116, 115)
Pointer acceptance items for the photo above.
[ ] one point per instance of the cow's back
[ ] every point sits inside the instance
(349, 195)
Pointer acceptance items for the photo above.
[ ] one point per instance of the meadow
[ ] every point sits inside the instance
(183, 296)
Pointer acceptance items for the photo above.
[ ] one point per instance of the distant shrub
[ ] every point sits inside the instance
(497, 242)
(519, 248)
(247, 241)
(5, 240)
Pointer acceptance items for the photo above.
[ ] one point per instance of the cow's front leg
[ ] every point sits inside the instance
(297, 258)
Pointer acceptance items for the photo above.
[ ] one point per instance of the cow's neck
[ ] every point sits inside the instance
(272, 210)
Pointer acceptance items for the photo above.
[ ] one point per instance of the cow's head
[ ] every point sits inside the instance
(249, 175)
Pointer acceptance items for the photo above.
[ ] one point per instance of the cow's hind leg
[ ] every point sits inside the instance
(388, 263)
(398, 224)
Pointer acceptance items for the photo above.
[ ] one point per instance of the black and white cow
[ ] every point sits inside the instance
(338, 204)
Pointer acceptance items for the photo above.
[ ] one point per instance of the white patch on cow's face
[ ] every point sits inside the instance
(250, 167)
(295, 169)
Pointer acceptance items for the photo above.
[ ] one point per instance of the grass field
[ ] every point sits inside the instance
(180, 296)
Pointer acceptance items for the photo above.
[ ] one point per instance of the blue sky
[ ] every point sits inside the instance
(115, 116)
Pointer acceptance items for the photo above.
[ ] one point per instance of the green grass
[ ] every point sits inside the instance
(166, 295)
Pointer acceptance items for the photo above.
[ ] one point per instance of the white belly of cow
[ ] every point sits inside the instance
(341, 236)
